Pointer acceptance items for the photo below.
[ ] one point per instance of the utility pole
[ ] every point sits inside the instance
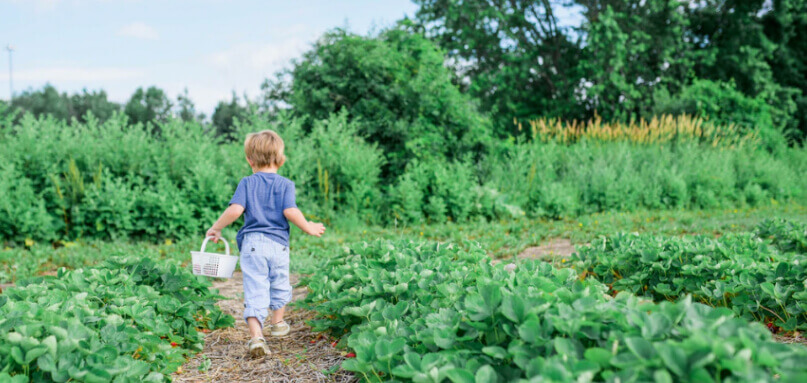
(10, 48)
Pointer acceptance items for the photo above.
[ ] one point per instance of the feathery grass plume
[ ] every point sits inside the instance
(658, 130)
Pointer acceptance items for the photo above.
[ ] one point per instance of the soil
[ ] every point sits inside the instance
(791, 338)
(294, 357)
(554, 248)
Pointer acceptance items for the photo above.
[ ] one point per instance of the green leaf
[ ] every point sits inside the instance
(530, 331)
(360, 311)
(598, 355)
(18, 356)
(513, 308)
(700, 375)
(477, 308)
(50, 343)
(640, 347)
(445, 338)
(656, 326)
(403, 371)
(14, 337)
(413, 360)
(459, 375)
(492, 294)
(31, 355)
(356, 366)
(673, 357)
(486, 374)
(5, 377)
(495, 352)
(662, 376)
(564, 346)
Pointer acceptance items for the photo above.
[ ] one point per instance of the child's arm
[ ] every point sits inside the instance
(229, 216)
(295, 216)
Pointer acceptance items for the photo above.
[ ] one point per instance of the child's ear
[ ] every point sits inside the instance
(250, 162)
(282, 161)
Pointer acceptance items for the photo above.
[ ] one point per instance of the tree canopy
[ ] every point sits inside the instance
(48, 101)
(394, 86)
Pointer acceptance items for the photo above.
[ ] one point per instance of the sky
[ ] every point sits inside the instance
(210, 47)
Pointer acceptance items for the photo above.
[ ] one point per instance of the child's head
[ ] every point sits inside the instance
(264, 149)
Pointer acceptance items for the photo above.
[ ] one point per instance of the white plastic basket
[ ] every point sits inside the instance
(214, 264)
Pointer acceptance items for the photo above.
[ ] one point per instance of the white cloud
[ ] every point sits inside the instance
(243, 68)
(139, 30)
(266, 58)
(76, 74)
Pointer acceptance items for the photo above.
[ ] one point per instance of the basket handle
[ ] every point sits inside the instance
(226, 245)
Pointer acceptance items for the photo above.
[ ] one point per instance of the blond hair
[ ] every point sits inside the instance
(264, 148)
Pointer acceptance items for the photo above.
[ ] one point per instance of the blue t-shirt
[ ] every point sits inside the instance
(264, 196)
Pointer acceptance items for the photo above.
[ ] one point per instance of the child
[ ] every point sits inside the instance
(268, 203)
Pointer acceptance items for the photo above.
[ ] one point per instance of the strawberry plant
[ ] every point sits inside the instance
(740, 272)
(786, 235)
(115, 322)
(428, 312)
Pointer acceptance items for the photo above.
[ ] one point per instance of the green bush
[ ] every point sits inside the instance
(113, 180)
(23, 213)
(449, 189)
(406, 200)
(395, 88)
(723, 104)
(553, 180)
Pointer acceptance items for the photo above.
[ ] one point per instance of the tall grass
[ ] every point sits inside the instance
(658, 130)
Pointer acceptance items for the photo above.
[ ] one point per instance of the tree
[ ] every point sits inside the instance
(632, 48)
(786, 25)
(519, 62)
(148, 106)
(394, 86)
(43, 102)
(186, 109)
(225, 115)
(48, 101)
(730, 43)
(95, 102)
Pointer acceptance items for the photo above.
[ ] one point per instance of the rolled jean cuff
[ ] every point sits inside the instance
(259, 314)
(280, 303)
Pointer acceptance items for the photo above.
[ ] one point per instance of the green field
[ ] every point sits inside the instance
(486, 322)
(689, 255)
(507, 199)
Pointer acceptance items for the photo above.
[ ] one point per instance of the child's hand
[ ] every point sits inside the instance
(316, 229)
(216, 234)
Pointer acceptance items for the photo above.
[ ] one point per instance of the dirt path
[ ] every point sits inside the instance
(553, 248)
(294, 358)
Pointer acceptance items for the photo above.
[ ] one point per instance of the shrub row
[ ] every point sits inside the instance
(111, 180)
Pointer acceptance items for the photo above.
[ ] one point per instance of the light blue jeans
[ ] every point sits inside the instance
(265, 265)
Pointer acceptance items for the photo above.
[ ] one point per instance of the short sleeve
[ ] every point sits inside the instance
(289, 197)
(240, 195)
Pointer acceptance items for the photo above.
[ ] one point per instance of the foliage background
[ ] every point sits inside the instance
(112, 180)
(423, 122)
